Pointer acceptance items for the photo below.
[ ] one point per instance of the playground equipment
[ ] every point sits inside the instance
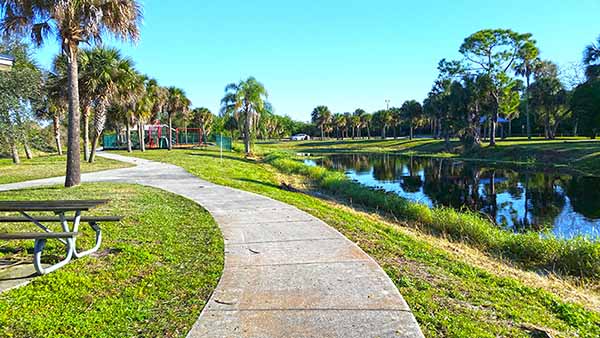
(156, 136)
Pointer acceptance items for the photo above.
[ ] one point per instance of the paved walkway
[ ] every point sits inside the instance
(287, 273)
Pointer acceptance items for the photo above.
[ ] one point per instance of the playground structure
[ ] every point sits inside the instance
(156, 136)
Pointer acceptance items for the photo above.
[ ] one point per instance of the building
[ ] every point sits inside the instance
(6, 62)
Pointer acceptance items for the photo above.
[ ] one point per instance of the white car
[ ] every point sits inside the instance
(300, 137)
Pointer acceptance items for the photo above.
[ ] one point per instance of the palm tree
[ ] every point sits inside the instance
(103, 75)
(339, 121)
(528, 62)
(143, 108)
(204, 118)
(413, 114)
(359, 114)
(591, 58)
(247, 100)
(321, 116)
(73, 22)
(366, 123)
(177, 103)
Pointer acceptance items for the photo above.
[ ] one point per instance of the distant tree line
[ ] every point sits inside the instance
(500, 83)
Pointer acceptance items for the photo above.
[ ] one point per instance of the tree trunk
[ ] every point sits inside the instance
(410, 137)
(247, 127)
(322, 136)
(170, 143)
(86, 133)
(95, 142)
(368, 132)
(575, 127)
(128, 135)
(494, 122)
(73, 174)
(28, 152)
(56, 126)
(14, 152)
(510, 128)
(142, 136)
(527, 111)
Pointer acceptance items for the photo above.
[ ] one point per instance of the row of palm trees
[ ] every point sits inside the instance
(110, 88)
(353, 124)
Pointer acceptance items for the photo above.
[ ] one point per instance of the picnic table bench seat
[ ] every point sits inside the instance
(67, 236)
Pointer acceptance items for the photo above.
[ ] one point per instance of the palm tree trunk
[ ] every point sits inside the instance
(410, 137)
(95, 142)
(368, 132)
(527, 110)
(494, 123)
(86, 133)
(128, 134)
(14, 152)
(170, 143)
(56, 126)
(322, 138)
(73, 174)
(247, 127)
(28, 152)
(142, 136)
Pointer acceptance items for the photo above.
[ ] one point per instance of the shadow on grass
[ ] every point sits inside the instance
(266, 184)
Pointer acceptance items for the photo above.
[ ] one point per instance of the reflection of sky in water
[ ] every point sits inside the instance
(511, 199)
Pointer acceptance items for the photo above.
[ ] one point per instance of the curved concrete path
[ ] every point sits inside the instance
(287, 273)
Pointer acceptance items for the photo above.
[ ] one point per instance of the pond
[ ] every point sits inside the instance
(517, 198)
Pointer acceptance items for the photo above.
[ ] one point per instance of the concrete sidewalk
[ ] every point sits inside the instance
(287, 273)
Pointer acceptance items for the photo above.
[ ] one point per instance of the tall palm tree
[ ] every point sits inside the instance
(412, 112)
(525, 67)
(143, 108)
(247, 99)
(105, 71)
(591, 58)
(72, 22)
(177, 103)
(321, 116)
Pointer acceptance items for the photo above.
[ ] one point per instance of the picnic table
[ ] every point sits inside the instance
(68, 234)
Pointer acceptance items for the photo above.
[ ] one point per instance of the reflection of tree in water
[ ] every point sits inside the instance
(519, 199)
(584, 193)
(545, 202)
(384, 168)
(412, 183)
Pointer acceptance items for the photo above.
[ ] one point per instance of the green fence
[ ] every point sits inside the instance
(223, 142)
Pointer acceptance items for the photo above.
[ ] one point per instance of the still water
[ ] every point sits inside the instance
(517, 198)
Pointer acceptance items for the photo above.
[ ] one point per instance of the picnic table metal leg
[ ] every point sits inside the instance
(95, 227)
(37, 256)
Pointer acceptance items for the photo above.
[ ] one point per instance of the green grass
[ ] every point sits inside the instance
(45, 166)
(449, 296)
(155, 271)
(579, 154)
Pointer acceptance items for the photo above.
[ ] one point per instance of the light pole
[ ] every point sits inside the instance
(6, 62)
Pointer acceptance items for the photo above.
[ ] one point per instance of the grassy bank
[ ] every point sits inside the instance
(578, 154)
(453, 290)
(44, 166)
(151, 277)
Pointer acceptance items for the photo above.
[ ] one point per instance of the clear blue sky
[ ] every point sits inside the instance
(343, 54)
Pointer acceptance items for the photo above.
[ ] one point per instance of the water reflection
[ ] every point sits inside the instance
(516, 198)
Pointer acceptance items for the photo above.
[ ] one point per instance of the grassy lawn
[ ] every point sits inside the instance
(44, 166)
(580, 154)
(454, 291)
(151, 278)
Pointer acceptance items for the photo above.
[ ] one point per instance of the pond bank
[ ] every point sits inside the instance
(577, 257)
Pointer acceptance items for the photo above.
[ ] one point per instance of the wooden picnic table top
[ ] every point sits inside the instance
(55, 205)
